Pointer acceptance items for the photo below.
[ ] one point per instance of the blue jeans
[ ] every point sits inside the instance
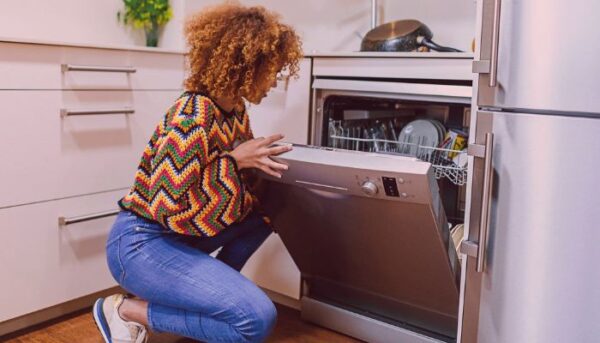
(190, 293)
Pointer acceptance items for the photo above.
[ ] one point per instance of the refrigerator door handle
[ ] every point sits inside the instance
(471, 248)
(491, 66)
(495, 44)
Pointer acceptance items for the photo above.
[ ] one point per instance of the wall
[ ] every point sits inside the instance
(335, 25)
(325, 25)
(80, 21)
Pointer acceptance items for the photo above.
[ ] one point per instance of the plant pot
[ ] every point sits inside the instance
(152, 35)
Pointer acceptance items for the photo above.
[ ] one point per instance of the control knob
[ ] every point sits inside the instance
(369, 187)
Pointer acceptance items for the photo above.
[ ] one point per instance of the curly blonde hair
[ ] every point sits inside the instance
(235, 52)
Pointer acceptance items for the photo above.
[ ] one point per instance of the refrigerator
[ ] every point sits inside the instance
(532, 272)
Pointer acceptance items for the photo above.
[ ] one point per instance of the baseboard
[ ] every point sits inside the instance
(283, 299)
(357, 325)
(38, 317)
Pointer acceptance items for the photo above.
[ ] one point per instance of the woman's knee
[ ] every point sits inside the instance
(260, 320)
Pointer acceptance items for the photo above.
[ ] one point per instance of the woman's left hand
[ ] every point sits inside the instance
(256, 153)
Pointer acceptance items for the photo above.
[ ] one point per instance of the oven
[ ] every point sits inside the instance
(372, 209)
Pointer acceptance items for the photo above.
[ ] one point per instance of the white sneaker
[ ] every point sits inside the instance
(112, 327)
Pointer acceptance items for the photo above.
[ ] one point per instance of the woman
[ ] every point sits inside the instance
(191, 195)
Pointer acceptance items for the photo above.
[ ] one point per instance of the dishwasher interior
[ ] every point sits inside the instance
(372, 212)
(405, 127)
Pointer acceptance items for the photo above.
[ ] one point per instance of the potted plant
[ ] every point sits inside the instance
(149, 15)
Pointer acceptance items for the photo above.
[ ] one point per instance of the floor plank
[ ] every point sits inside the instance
(80, 328)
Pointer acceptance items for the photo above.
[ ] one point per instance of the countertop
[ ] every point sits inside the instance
(369, 54)
(95, 46)
(316, 54)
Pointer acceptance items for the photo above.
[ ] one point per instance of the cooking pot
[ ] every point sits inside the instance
(401, 35)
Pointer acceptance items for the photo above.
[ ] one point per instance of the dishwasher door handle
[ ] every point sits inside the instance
(321, 185)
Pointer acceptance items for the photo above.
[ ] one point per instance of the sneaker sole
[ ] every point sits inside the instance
(100, 320)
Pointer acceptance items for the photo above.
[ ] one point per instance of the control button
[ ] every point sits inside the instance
(400, 180)
(404, 195)
(369, 187)
(389, 186)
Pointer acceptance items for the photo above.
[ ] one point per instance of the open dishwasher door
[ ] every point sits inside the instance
(369, 235)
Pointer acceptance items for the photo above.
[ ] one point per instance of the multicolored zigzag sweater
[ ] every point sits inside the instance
(186, 181)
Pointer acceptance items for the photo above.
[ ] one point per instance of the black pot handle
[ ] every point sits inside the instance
(433, 46)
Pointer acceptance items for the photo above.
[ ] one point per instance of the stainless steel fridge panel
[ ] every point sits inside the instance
(547, 56)
(541, 282)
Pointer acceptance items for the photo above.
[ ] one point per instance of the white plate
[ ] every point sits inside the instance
(419, 132)
(441, 130)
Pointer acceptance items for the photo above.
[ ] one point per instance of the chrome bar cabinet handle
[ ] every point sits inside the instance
(64, 221)
(105, 69)
(69, 112)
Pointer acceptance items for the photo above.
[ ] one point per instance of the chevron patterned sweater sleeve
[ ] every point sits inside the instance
(186, 181)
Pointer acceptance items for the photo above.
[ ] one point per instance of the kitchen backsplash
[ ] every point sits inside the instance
(332, 25)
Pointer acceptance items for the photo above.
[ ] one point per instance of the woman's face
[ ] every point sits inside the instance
(271, 83)
(265, 87)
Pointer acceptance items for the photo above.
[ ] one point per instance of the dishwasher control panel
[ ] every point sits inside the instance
(382, 177)
(390, 187)
(398, 187)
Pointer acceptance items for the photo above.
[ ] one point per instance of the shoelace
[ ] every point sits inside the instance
(142, 336)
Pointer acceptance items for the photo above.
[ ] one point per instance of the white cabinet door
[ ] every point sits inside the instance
(47, 156)
(272, 267)
(44, 263)
(286, 109)
(30, 66)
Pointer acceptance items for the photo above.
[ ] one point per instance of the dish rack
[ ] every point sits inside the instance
(442, 160)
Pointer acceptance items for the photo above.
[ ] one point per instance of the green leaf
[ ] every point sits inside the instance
(145, 13)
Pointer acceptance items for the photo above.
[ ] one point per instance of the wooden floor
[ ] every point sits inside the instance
(80, 328)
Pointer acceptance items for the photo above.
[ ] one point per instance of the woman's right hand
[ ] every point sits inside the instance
(256, 153)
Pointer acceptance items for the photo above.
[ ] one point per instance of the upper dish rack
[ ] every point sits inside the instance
(442, 160)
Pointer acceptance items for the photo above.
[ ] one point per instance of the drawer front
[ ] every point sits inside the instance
(401, 68)
(29, 66)
(47, 156)
(44, 263)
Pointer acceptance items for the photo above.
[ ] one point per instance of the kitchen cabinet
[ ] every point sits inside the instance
(45, 263)
(65, 155)
(400, 65)
(79, 119)
(272, 268)
(285, 110)
(36, 66)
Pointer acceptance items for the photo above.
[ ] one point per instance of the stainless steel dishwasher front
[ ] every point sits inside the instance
(369, 235)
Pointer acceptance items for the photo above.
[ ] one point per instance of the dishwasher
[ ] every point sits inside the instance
(368, 209)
